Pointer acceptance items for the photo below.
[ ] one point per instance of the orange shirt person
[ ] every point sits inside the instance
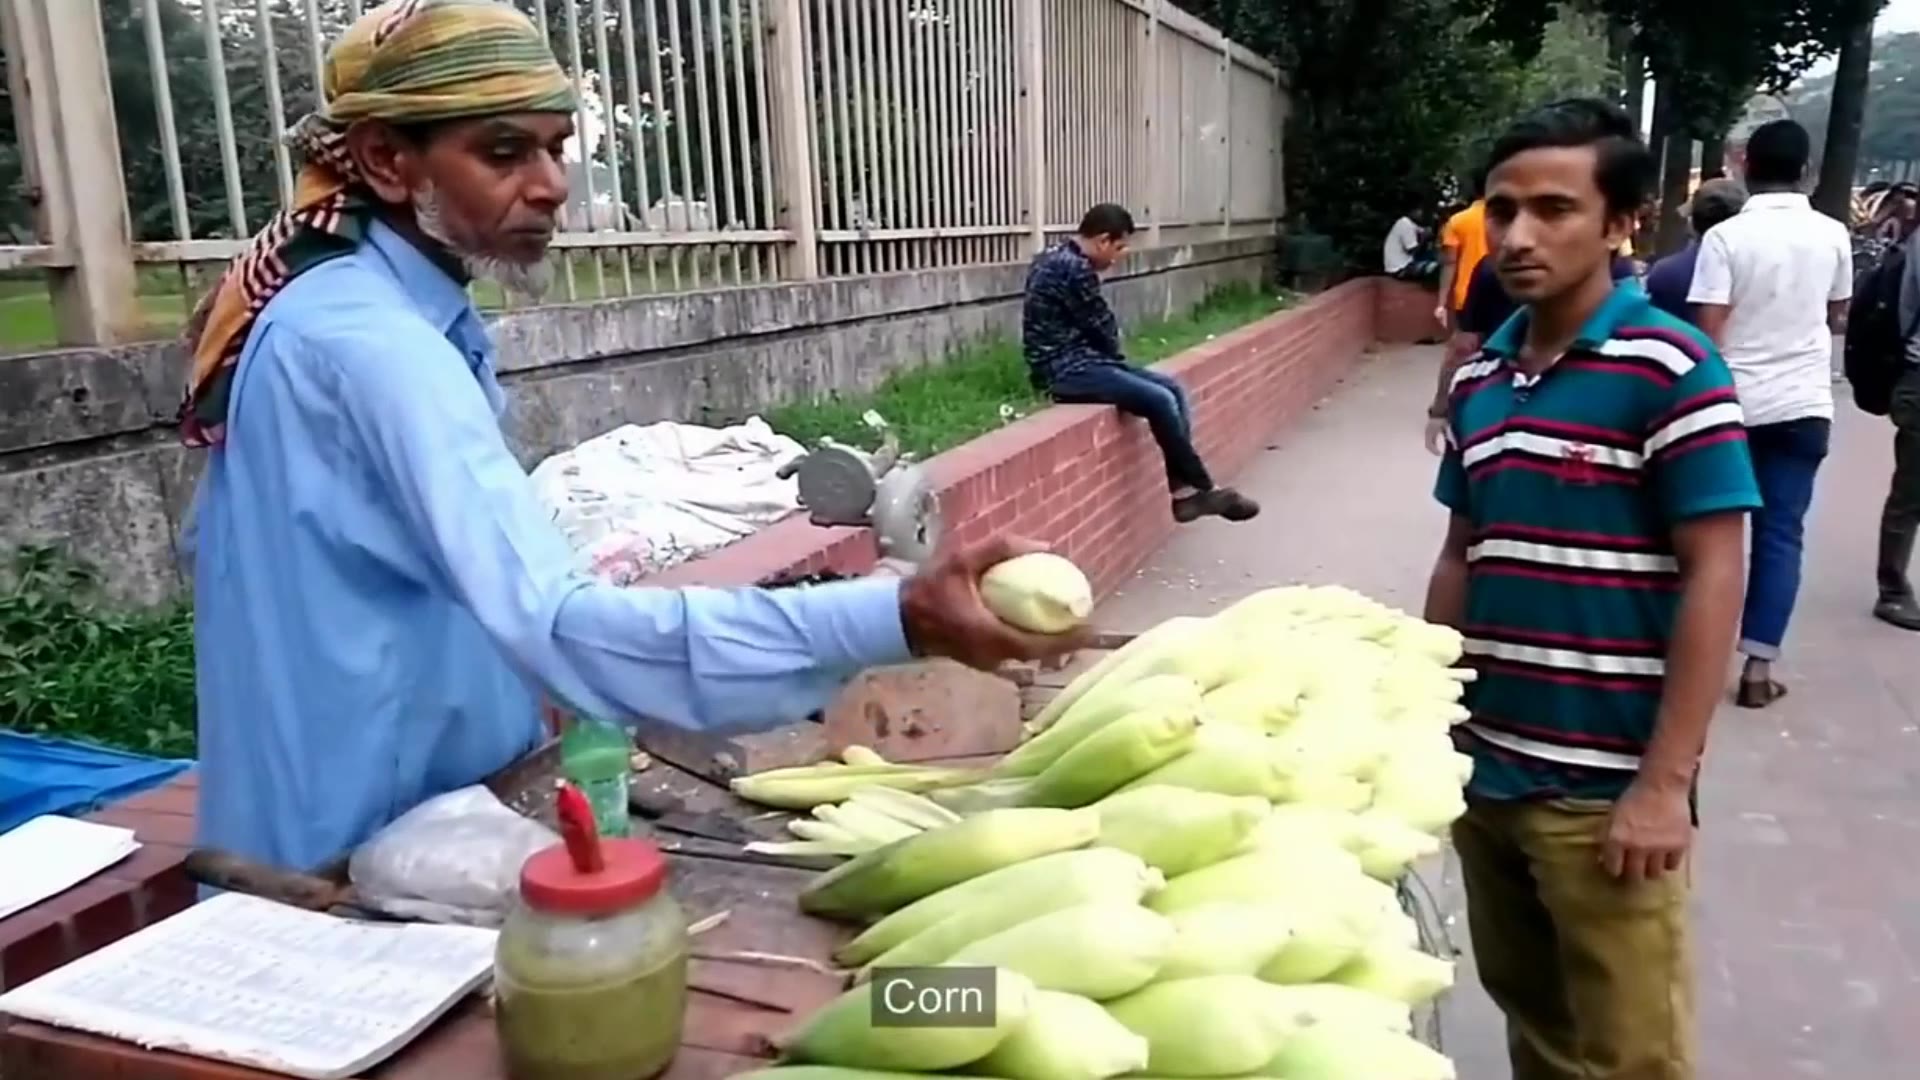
(1463, 243)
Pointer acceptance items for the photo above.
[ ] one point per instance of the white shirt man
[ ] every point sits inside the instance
(1403, 241)
(1780, 267)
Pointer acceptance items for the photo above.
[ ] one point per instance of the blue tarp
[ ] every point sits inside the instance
(56, 776)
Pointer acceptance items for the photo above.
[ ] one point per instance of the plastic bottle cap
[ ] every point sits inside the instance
(632, 872)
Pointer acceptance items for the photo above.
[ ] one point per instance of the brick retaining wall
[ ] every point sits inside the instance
(1089, 481)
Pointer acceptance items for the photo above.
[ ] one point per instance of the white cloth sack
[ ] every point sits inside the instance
(642, 498)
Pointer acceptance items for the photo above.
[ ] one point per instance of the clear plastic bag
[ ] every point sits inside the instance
(455, 858)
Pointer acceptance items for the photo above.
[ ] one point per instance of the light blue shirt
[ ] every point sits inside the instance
(379, 594)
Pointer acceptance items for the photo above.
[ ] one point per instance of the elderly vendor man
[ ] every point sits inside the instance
(379, 595)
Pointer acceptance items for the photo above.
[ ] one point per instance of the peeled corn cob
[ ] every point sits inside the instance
(1085, 873)
(1065, 1037)
(1123, 750)
(880, 881)
(843, 1033)
(1041, 592)
(1099, 950)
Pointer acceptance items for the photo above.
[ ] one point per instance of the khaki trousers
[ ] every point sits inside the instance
(1592, 974)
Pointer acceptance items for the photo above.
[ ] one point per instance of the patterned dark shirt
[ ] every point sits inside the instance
(1066, 324)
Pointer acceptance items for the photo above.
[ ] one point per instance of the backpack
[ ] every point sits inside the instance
(1875, 354)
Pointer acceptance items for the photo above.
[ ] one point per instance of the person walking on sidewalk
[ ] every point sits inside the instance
(1670, 279)
(1771, 288)
(1900, 517)
(1463, 243)
(1072, 344)
(1598, 479)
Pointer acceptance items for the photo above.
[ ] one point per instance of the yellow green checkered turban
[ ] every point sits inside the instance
(404, 62)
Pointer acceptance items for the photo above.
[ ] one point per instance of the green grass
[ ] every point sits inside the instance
(74, 667)
(167, 293)
(979, 388)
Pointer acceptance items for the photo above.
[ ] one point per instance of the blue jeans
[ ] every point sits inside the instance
(1786, 457)
(1158, 399)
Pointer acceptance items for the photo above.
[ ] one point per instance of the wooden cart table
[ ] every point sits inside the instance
(743, 992)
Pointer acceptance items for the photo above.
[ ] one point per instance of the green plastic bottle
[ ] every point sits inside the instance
(597, 757)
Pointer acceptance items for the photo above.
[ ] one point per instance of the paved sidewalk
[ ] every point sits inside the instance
(1808, 911)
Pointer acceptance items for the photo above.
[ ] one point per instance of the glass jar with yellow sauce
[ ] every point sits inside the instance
(590, 973)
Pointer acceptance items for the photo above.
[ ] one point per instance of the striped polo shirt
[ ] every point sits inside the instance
(1573, 481)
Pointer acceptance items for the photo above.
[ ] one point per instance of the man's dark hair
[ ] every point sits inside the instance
(1777, 154)
(1624, 169)
(1107, 219)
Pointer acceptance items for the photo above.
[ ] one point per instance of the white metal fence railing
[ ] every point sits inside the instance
(720, 142)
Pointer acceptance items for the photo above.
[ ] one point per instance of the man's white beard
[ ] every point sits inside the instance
(526, 282)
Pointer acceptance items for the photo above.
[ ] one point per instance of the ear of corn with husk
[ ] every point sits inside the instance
(1331, 1052)
(1122, 881)
(1214, 1025)
(1256, 780)
(1177, 829)
(1065, 1037)
(1032, 756)
(891, 877)
(993, 901)
(843, 1033)
(1099, 950)
(1129, 747)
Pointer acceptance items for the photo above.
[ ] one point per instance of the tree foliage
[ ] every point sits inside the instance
(1394, 100)
(1891, 137)
(1709, 54)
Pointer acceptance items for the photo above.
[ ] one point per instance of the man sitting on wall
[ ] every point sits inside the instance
(1072, 344)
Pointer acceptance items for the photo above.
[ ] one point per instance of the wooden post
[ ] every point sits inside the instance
(1148, 83)
(1030, 57)
(792, 111)
(63, 105)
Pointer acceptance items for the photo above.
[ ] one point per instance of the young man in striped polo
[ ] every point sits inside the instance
(1599, 483)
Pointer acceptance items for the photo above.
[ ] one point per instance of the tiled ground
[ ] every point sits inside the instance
(1808, 914)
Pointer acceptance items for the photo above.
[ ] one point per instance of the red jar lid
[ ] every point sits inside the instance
(633, 872)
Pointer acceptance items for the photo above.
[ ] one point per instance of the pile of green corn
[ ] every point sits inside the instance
(1185, 870)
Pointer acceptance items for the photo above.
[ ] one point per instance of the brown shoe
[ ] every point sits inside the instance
(1216, 502)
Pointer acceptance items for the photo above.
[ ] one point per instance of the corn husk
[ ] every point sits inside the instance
(1225, 939)
(1032, 757)
(1215, 1025)
(1101, 763)
(1176, 830)
(1012, 907)
(1227, 760)
(891, 877)
(1099, 950)
(931, 929)
(1155, 652)
(1256, 877)
(1397, 972)
(1065, 1037)
(1337, 1053)
(843, 1033)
